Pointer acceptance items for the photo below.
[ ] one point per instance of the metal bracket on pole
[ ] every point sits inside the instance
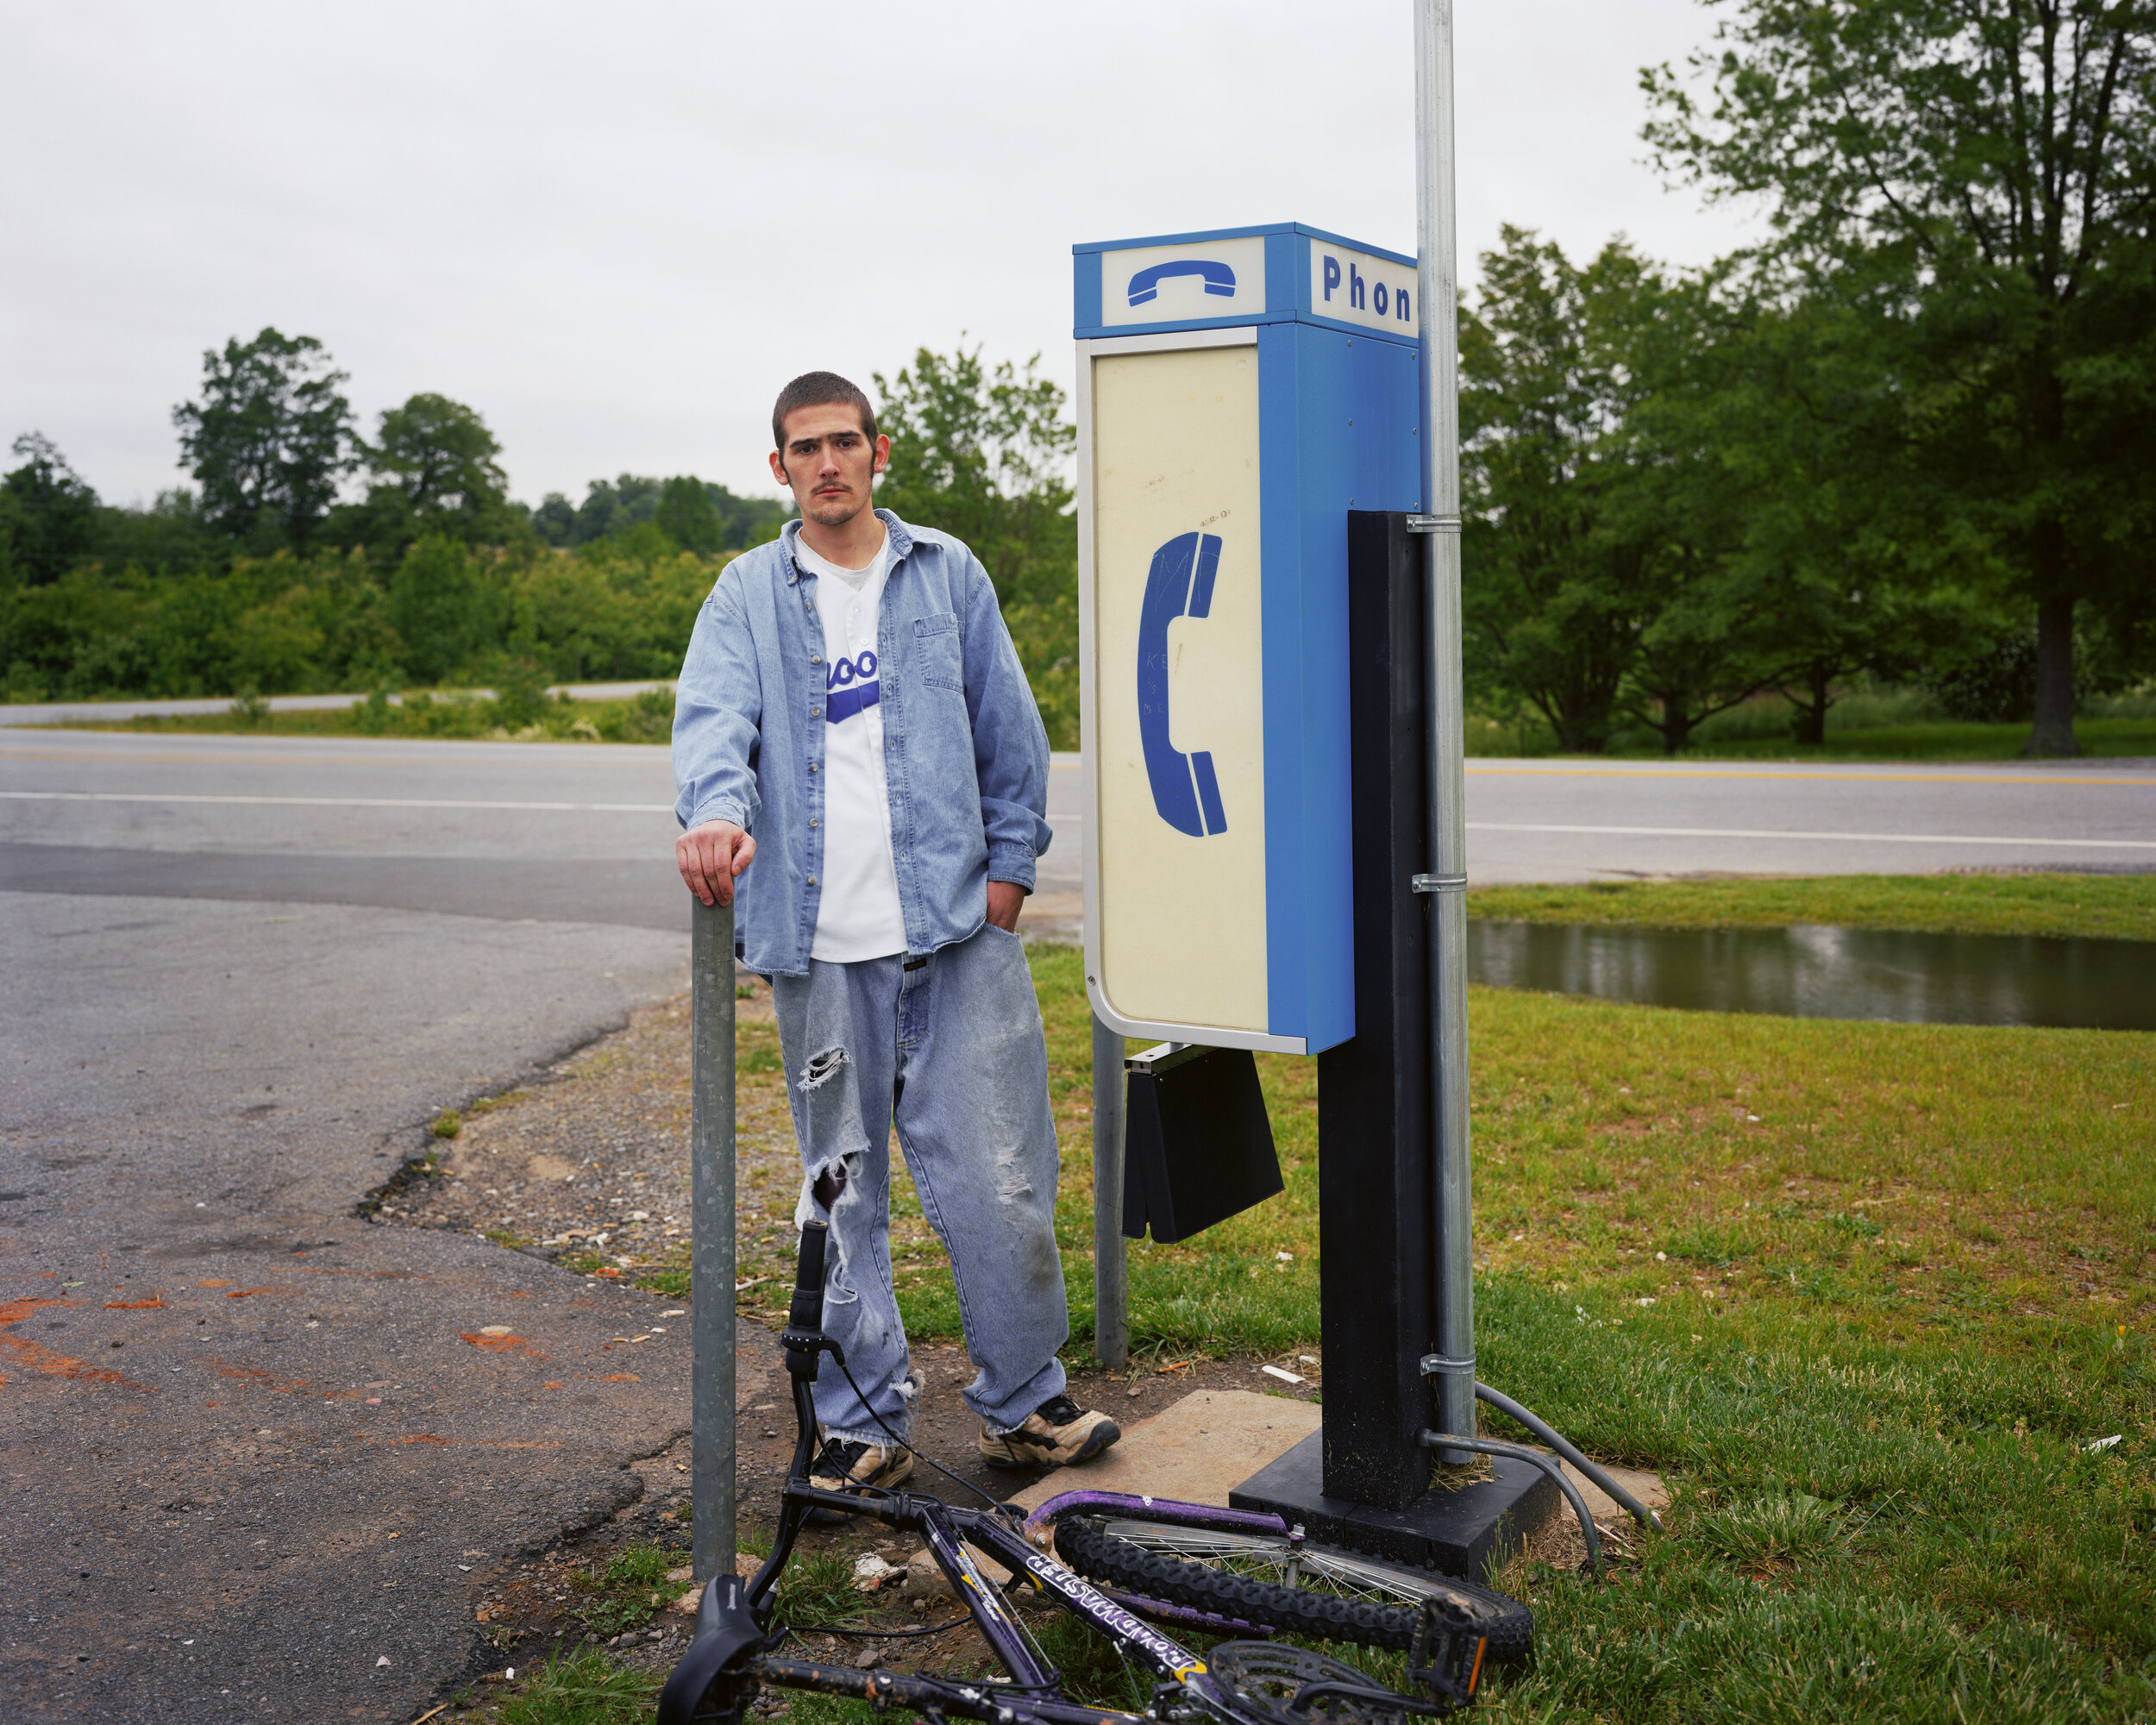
(1433, 524)
(1438, 883)
(1435, 1364)
(711, 1257)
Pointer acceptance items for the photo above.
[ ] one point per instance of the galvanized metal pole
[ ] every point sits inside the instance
(1111, 1308)
(711, 1242)
(1451, 1364)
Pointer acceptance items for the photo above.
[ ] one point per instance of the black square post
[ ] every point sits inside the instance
(1364, 1481)
(1373, 1089)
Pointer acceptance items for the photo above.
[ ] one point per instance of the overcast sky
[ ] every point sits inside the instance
(616, 231)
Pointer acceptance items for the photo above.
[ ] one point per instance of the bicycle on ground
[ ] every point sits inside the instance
(1131, 1568)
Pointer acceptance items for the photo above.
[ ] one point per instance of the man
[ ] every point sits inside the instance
(864, 775)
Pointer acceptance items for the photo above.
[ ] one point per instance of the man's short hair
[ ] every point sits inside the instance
(819, 389)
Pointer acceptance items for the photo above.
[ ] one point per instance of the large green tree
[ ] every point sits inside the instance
(1976, 180)
(984, 453)
(435, 462)
(1552, 597)
(1602, 527)
(687, 516)
(269, 439)
(1837, 541)
(48, 513)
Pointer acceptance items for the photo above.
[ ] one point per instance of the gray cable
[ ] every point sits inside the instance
(1549, 1434)
(1445, 1440)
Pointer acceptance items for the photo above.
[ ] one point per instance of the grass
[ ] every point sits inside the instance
(630, 1591)
(2107, 907)
(645, 718)
(1881, 724)
(581, 1689)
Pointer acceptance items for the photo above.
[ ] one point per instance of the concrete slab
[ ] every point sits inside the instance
(1646, 1487)
(1195, 1451)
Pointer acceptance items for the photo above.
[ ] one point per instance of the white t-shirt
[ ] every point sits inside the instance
(858, 915)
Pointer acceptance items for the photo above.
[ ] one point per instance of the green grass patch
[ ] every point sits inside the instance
(581, 1689)
(1871, 731)
(669, 1279)
(628, 1589)
(453, 714)
(2103, 906)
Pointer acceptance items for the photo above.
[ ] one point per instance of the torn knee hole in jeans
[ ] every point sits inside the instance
(829, 1183)
(824, 1188)
(817, 1073)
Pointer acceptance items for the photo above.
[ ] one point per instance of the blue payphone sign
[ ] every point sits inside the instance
(1186, 790)
(1238, 392)
(1214, 278)
(1149, 284)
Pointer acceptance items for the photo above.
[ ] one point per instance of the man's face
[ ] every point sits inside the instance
(828, 463)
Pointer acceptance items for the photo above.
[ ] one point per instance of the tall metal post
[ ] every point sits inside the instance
(712, 1259)
(1111, 1307)
(1451, 1365)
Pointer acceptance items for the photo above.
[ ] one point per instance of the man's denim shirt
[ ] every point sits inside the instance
(964, 754)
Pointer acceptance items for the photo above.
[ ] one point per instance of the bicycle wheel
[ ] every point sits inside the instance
(1288, 1585)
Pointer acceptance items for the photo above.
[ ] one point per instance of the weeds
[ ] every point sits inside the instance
(630, 1590)
(1778, 1527)
(582, 1689)
(818, 1588)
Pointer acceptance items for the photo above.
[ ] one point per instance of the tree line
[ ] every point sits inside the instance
(306, 558)
(1911, 434)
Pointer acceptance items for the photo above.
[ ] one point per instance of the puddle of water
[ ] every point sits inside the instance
(1816, 972)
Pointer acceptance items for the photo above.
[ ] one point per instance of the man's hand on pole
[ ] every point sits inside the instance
(711, 854)
(1003, 898)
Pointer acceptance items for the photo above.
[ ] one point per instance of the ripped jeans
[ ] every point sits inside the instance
(951, 1048)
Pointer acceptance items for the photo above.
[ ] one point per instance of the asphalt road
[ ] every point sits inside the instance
(254, 1442)
(1579, 820)
(263, 1455)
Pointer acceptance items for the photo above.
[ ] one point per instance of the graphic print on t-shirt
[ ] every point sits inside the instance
(852, 685)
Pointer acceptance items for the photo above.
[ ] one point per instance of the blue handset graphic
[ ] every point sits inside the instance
(1145, 284)
(1185, 790)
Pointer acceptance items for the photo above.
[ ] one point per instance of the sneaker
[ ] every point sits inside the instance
(1054, 1434)
(848, 1465)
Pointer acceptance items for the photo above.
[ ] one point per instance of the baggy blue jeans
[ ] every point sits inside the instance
(951, 1048)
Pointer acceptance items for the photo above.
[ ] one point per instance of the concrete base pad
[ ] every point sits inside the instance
(1464, 1530)
(1195, 1451)
(1264, 1452)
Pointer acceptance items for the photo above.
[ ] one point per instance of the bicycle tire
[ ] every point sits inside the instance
(1172, 1563)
